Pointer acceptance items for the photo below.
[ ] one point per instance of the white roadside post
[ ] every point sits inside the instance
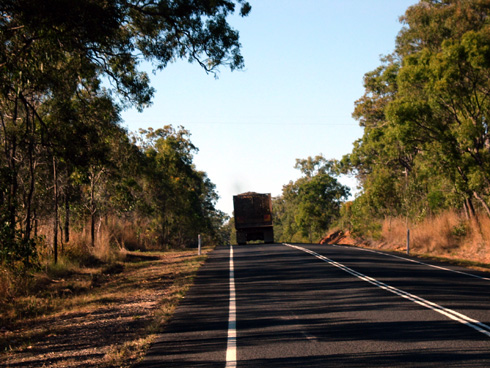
(199, 244)
(408, 241)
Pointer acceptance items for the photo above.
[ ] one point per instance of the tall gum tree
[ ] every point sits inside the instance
(425, 114)
(444, 93)
(56, 49)
(308, 206)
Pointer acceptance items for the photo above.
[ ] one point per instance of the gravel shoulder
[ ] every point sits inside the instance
(109, 324)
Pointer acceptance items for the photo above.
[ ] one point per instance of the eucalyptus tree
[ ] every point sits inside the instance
(381, 161)
(425, 111)
(180, 199)
(309, 205)
(55, 50)
(443, 101)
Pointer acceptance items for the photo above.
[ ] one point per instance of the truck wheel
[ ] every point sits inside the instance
(269, 236)
(241, 238)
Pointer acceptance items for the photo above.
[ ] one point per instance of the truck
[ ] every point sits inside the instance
(253, 217)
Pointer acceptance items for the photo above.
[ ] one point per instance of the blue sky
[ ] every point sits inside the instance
(304, 67)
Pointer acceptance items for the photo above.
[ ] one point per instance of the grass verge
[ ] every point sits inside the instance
(103, 316)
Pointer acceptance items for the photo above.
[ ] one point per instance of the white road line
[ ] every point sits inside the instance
(415, 261)
(456, 316)
(231, 348)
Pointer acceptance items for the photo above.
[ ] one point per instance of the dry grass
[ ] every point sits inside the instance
(6, 284)
(449, 235)
(111, 235)
(104, 316)
(26, 290)
(97, 306)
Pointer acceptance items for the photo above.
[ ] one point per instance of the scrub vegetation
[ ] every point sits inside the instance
(79, 193)
(87, 208)
(98, 316)
(423, 161)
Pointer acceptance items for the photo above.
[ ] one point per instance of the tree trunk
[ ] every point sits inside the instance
(12, 196)
(14, 185)
(30, 194)
(92, 210)
(483, 202)
(466, 210)
(67, 216)
(36, 223)
(55, 226)
(470, 209)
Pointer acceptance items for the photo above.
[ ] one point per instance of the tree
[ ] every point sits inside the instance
(54, 56)
(310, 204)
(180, 199)
(443, 97)
(425, 145)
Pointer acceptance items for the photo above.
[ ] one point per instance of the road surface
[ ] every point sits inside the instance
(326, 306)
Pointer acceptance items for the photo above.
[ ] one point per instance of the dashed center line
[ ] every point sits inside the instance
(456, 316)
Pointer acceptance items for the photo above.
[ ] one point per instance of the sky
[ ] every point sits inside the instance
(304, 67)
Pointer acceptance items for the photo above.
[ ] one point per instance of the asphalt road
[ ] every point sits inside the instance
(329, 306)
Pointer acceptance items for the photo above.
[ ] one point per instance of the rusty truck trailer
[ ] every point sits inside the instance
(253, 217)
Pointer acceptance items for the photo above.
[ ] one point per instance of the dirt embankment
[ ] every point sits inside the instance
(339, 237)
(447, 237)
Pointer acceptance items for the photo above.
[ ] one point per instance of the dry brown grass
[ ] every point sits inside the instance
(6, 286)
(112, 234)
(46, 310)
(449, 235)
(77, 257)
(98, 317)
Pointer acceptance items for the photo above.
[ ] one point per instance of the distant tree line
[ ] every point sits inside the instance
(64, 156)
(425, 114)
(309, 206)
(426, 143)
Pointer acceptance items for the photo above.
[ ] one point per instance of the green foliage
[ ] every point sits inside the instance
(179, 199)
(309, 205)
(358, 217)
(425, 115)
(227, 232)
(16, 251)
(460, 230)
(64, 156)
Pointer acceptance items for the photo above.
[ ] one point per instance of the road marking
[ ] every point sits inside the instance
(231, 346)
(456, 316)
(415, 261)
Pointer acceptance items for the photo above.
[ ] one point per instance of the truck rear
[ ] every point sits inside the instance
(253, 217)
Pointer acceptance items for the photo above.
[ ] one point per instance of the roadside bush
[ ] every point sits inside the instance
(356, 217)
(6, 284)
